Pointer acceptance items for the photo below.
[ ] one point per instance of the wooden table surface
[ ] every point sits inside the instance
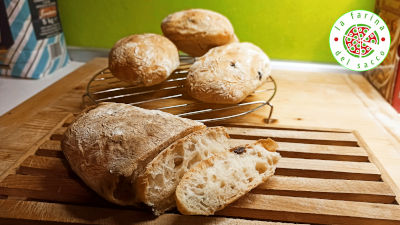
(309, 99)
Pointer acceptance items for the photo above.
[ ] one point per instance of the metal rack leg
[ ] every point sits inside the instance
(268, 120)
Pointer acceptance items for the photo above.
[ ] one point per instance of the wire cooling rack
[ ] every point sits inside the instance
(169, 96)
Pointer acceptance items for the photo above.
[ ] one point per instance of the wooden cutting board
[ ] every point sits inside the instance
(326, 175)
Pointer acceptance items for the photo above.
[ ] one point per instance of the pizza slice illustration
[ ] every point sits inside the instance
(357, 44)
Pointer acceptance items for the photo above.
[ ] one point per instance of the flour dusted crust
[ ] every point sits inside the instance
(195, 31)
(109, 146)
(228, 74)
(143, 59)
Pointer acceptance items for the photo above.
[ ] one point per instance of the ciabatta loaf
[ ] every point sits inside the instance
(109, 146)
(157, 186)
(221, 179)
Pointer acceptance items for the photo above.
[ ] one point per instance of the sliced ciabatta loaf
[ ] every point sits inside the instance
(221, 179)
(109, 146)
(157, 186)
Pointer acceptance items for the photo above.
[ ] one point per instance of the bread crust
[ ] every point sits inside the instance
(195, 31)
(268, 144)
(228, 74)
(143, 59)
(108, 146)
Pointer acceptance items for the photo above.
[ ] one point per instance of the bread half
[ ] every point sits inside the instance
(109, 146)
(214, 183)
(157, 186)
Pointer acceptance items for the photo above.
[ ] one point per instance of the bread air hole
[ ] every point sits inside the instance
(200, 186)
(195, 159)
(159, 179)
(178, 162)
(261, 167)
(222, 184)
(270, 161)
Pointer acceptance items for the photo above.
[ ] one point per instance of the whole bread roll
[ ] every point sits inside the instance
(109, 146)
(195, 31)
(143, 59)
(228, 74)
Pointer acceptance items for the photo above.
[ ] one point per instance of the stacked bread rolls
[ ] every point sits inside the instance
(226, 71)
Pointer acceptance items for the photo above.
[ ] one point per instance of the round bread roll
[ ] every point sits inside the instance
(143, 59)
(195, 31)
(228, 74)
(109, 146)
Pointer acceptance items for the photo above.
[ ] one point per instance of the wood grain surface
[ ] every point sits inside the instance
(327, 156)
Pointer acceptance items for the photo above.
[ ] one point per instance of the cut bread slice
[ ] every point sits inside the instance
(157, 186)
(221, 179)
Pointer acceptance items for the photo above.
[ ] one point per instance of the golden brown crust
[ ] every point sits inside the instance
(110, 145)
(145, 59)
(228, 74)
(195, 31)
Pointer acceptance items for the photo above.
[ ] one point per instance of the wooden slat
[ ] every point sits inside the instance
(68, 121)
(58, 134)
(47, 166)
(315, 151)
(49, 189)
(24, 211)
(51, 145)
(13, 146)
(336, 189)
(345, 153)
(287, 166)
(290, 150)
(51, 148)
(18, 146)
(74, 191)
(311, 137)
(321, 211)
(283, 127)
(327, 169)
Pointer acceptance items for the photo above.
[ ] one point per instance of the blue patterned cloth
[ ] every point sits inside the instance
(31, 57)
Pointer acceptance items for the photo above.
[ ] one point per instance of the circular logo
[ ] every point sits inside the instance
(359, 40)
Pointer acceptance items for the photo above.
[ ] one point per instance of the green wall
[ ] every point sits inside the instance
(284, 29)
